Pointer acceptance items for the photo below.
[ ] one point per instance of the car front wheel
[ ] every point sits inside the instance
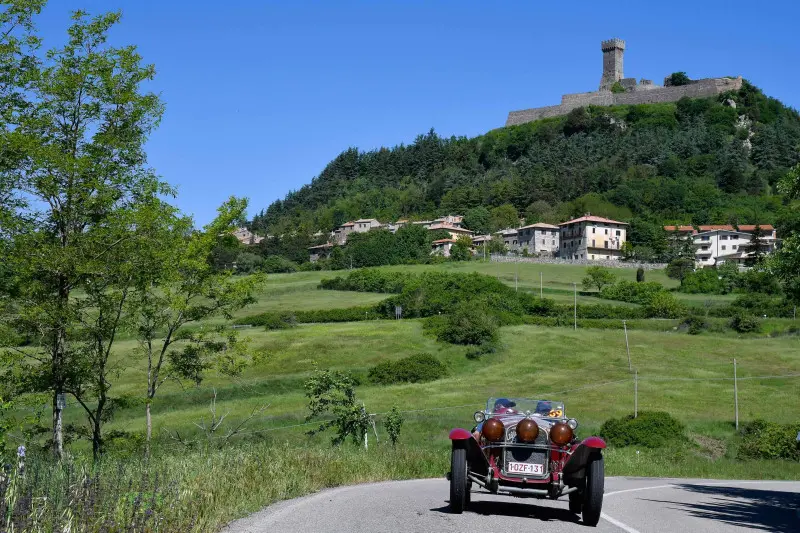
(593, 494)
(458, 481)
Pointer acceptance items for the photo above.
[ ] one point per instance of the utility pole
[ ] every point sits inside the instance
(636, 394)
(541, 286)
(575, 313)
(627, 346)
(735, 395)
(516, 274)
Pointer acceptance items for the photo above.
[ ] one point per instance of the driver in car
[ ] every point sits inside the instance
(502, 406)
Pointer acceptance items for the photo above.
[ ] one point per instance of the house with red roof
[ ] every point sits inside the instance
(592, 238)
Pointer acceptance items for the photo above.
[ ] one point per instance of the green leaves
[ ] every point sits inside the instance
(332, 393)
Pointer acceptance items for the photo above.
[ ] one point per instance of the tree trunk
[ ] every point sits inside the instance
(149, 425)
(58, 435)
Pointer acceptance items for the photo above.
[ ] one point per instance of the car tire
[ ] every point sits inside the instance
(593, 494)
(459, 496)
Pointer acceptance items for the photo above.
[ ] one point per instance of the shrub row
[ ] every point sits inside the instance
(413, 369)
(284, 319)
(632, 292)
(651, 429)
(767, 440)
(368, 280)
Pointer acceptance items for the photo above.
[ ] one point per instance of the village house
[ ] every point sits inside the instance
(246, 237)
(321, 251)
(455, 231)
(539, 238)
(592, 238)
(509, 236)
(719, 243)
(442, 247)
(361, 225)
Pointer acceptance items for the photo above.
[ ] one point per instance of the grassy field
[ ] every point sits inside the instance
(687, 376)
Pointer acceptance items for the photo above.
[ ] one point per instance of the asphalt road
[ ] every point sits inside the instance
(633, 505)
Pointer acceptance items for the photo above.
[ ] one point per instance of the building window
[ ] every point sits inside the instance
(705, 238)
(723, 237)
(734, 246)
(606, 243)
(592, 256)
(593, 230)
(606, 231)
(553, 243)
(542, 241)
(619, 233)
(704, 248)
(593, 243)
(723, 246)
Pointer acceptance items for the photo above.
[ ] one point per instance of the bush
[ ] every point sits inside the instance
(468, 324)
(277, 320)
(632, 292)
(276, 264)
(745, 323)
(651, 429)
(767, 440)
(247, 263)
(483, 349)
(394, 421)
(413, 369)
(640, 275)
(703, 281)
(760, 305)
(664, 305)
(695, 324)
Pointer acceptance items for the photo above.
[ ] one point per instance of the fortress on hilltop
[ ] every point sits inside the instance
(616, 89)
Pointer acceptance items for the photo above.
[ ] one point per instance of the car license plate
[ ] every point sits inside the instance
(525, 468)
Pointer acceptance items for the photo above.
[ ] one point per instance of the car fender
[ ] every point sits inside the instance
(581, 454)
(461, 438)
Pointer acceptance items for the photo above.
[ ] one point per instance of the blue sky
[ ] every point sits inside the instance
(260, 95)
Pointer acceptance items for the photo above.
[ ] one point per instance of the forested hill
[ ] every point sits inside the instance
(696, 161)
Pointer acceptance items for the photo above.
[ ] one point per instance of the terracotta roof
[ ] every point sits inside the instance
(592, 218)
(713, 227)
(347, 224)
(442, 241)
(448, 227)
(680, 228)
(539, 225)
(752, 227)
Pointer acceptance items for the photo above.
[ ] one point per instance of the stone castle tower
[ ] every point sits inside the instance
(613, 50)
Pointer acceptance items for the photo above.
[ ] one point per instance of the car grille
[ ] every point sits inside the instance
(525, 454)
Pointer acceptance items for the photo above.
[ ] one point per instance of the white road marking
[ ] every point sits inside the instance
(619, 524)
(638, 489)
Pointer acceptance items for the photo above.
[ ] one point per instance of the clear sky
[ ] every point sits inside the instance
(260, 95)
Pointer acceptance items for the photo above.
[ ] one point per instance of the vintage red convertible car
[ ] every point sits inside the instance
(528, 448)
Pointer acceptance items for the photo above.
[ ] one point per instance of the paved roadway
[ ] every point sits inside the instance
(632, 505)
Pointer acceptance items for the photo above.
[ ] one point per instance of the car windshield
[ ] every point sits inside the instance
(525, 406)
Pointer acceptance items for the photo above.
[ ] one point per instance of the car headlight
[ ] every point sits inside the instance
(479, 416)
(572, 423)
(493, 430)
(527, 430)
(561, 434)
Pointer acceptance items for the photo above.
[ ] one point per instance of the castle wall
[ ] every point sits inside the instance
(648, 94)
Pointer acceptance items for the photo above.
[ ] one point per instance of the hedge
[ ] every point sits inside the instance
(651, 429)
(413, 369)
(768, 440)
(283, 319)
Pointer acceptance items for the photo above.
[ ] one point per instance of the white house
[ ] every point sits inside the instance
(717, 244)
(442, 247)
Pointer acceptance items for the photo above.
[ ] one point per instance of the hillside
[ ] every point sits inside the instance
(699, 161)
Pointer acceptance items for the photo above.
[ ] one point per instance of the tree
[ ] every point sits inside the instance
(79, 144)
(677, 78)
(539, 211)
(640, 275)
(679, 268)
(504, 216)
(394, 421)
(461, 249)
(477, 219)
(332, 393)
(757, 247)
(177, 286)
(786, 261)
(597, 276)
